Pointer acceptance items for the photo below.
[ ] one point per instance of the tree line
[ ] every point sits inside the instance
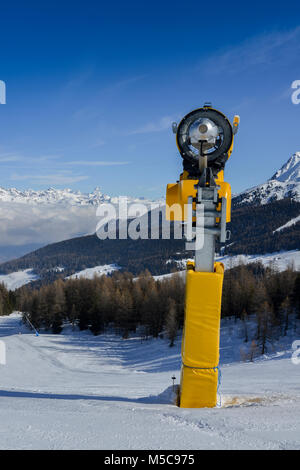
(156, 307)
(269, 296)
(7, 300)
(120, 302)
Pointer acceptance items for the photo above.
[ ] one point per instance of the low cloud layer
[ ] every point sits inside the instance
(22, 224)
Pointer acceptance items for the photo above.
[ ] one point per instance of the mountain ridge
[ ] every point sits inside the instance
(64, 196)
(285, 183)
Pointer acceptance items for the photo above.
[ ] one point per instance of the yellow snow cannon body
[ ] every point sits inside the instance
(201, 199)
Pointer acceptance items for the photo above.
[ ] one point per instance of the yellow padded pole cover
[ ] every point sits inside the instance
(198, 388)
(201, 338)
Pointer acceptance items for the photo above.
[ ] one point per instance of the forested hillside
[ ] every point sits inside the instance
(157, 307)
(252, 230)
(85, 252)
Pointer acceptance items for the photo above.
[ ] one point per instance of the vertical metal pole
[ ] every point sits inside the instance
(206, 224)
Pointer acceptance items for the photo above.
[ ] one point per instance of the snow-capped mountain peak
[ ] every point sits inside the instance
(52, 196)
(283, 184)
(60, 197)
(290, 171)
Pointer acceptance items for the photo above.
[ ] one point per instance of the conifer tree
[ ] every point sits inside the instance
(171, 323)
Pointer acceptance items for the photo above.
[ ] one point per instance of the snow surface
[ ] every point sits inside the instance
(89, 273)
(280, 260)
(17, 279)
(291, 222)
(290, 171)
(77, 391)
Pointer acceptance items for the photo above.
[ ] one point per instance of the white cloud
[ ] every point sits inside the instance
(96, 163)
(52, 179)
(15, 157)
(263, 50)
(9, 158)
(23, 224)
(163, 123)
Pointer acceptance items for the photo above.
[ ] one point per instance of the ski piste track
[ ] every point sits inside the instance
(77, 391)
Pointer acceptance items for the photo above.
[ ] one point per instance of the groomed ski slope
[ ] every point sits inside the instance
(77, 391)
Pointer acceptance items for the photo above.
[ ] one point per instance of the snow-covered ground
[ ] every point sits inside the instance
(280, 260)
(89, 273)
(17, 279)
(290, 223)
(77, 391)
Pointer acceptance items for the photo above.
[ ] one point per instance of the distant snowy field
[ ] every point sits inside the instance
(89, 273)
(281, 261)
(18, 279)
(77, 391)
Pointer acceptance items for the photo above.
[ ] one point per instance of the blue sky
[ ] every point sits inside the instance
(92, 88)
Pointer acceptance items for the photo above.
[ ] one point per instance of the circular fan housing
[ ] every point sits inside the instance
(204, 131)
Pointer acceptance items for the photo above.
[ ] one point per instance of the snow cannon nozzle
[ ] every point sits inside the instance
(204, 139)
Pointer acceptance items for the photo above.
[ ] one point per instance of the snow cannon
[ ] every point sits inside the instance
(204, 139)
(201, 199)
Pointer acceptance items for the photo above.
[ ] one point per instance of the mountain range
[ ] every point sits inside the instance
(284, 183)
(265, 219)
(64, 197)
